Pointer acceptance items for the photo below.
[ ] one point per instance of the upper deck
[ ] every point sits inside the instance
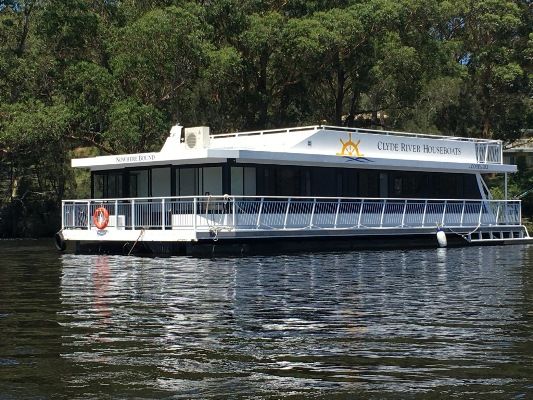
(319, 145)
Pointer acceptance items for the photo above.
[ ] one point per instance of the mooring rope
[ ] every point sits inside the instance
(140, 235)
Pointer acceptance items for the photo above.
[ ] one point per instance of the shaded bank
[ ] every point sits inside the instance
(35, 219)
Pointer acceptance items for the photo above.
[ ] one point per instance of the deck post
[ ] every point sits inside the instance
(233, 209)
(287, 213)
(505, 188)
(480, 212)
(505, 192)
(63, 215)
(337, 213)
(424, 213)
(116, 213)
(497, 213)
(89, 215)
(360, 213)
(194, 204)
(443, 213)
(133, 214)
(163, 213)
(258, 224)
(312, 213)
(404, 211)
(463, 212)
(382, 213)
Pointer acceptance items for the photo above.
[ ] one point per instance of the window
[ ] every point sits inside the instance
(138, 183)
(161, 182)
(212, 180)
(197, 181)
(187, 181)
(243, 181)
(323, 182)
(250, 186)
(108, 184)
(368, 183)
(237, 181)
(397, 186)
(288, 181)
(98, 185)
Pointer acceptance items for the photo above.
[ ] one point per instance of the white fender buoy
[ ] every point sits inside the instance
(441, 238)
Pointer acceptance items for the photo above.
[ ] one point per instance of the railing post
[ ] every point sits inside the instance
(480, 212)
(194, 205)
(133, 214)
(497, 213)
(443, 213)
(337, 213)
(116, 213)
(312, 213)
(63, 215)
(424, 213)
(519, 212)
(360, 213)
(404, 211)
(163, 214)
(259, 213)
(89, 215)
(234, 209)
(486, 152)
(382, 213)
(463, 212)
(287, 213)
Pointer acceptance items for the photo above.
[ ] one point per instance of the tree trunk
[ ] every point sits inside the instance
(25, 29)
(374, 121)
(262, 90)
(339, 99)
(486, 101)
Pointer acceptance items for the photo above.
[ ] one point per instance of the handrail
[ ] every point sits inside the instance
(289, 213)
(354, 130)
(226, 196)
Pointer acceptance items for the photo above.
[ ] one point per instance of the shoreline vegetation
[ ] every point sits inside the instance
(80, 78)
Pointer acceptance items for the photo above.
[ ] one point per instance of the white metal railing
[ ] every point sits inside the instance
(290, 213)
(489, 152)
(355, 130)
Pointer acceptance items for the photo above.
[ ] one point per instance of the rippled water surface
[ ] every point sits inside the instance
(444, 323)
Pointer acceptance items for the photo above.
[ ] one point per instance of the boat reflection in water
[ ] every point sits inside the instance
(445, 320)
(100, 277)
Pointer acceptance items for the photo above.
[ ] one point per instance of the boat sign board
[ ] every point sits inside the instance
(353, 144)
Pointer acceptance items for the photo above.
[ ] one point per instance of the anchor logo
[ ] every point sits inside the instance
(349, 148)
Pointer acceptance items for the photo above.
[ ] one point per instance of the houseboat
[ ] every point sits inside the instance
(313, 187)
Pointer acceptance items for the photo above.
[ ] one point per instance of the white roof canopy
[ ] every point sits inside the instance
(318, 146)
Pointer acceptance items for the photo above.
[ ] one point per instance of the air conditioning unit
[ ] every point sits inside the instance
(197, 137)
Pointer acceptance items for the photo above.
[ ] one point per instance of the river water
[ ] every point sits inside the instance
(442, 323)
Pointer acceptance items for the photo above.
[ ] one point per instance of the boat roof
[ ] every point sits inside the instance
(318, 145)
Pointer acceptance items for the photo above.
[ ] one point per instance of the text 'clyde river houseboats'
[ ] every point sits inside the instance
(312, 187)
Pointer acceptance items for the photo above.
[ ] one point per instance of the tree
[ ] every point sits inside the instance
(492, 53)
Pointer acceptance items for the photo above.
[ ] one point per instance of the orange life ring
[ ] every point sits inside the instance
(101, 217)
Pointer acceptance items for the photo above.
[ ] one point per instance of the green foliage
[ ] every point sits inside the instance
(113, 76)
(28, 126)
(134, 127)
(157, 58)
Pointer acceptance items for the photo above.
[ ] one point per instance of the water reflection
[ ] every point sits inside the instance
(446, 320)
(100, 278)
